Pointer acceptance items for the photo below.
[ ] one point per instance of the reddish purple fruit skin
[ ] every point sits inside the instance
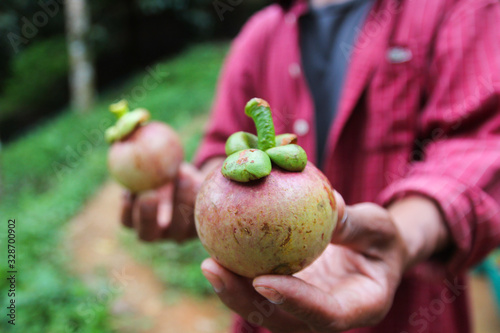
(147, 158)
(277, 225)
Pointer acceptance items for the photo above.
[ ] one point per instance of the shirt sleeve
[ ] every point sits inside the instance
(235, 88)
(461, 167)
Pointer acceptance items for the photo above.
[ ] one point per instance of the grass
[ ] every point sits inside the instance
(49, 174)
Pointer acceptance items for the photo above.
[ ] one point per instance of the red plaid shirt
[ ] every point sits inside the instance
(419, 114)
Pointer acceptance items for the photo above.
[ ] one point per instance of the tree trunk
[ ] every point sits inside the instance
(81, 80)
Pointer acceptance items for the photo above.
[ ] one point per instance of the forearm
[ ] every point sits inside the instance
(421, 226)
(211, 164)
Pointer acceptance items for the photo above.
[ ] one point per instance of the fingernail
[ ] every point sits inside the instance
(272, 295)
(214, 280)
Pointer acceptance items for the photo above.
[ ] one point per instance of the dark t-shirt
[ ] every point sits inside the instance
(327, 35)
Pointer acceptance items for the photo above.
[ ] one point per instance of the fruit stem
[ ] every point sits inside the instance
(259, 110)
(127, 121)
(119, 109)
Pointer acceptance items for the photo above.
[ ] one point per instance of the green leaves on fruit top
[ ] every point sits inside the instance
(127, 121)
(247, 165)
(250, 157)
(289, 157)
(240, 141)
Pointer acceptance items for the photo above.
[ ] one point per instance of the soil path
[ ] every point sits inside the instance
(143, 303)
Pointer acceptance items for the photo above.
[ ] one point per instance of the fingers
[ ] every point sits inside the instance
(165, 197)
(166, 212)
(239, 295)
(368, 228)
(127, 207)
(370, 231)
(344, 306)
(152, 213)
(289, 304)
(299, 299)
(225, 283)
(145, 214)
(341, 206)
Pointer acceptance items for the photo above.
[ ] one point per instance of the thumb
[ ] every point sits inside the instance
(334, 310)
(341, 208)
(363, 227)
(152, 212)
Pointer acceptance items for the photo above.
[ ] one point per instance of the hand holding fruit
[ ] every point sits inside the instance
(165, 213)
(146, 158)
(267, 211)
(352, 283)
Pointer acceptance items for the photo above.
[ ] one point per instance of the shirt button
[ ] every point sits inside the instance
(294, 70)
(290, 19)
(301, 127)
(399, 55)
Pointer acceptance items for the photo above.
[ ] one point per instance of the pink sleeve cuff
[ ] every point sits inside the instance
(472, 216)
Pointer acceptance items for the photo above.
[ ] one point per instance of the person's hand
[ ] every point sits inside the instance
(351, 285)
(167, 212)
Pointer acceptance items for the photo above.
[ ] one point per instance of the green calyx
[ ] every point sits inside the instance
(127, 121)
(289, 157)
(247, 165)
(240, 141)
(251, 157)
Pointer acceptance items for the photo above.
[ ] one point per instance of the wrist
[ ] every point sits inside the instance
(422, 227)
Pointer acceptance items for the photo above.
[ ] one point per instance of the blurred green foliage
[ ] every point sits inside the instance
(125, 36)
(38, 77)
(177, 265)
(50, 173)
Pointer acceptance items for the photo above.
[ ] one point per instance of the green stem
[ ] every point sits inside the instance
(259, 110)
(126, 122)
(119, 109)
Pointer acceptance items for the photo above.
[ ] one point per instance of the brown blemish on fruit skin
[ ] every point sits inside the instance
(242, 160)
(287, 239)
(331, 198)
(234, 235)
(282, 269)
(289, 139)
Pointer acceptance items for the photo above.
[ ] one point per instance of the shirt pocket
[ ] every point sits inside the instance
(393, 99)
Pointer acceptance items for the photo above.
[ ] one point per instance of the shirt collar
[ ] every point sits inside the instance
(299, 8)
